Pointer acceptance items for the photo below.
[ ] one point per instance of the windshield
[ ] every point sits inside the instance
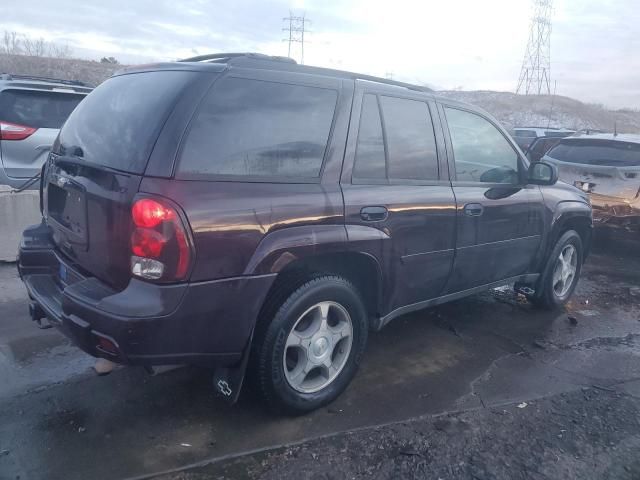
(117, 124)
(610, 153)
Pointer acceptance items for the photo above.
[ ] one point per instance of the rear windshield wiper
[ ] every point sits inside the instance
(81, 162)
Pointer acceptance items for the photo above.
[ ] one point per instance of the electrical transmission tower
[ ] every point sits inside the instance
(296, 29)
(535, 76)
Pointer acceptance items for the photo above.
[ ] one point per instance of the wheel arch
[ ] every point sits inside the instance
(359, 268)
(571, 215)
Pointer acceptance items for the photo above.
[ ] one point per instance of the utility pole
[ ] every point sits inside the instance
(535, 75)
(296, 28)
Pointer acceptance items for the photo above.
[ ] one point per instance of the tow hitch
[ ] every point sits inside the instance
(38, 316)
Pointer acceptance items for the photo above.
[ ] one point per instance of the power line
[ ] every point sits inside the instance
(535, 75)
(297, 29)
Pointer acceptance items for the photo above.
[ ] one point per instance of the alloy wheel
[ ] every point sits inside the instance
(317, 347)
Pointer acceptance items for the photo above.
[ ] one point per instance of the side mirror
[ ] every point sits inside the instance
(542, 173)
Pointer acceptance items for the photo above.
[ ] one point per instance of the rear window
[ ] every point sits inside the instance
(119, 122)
(597, 152)
(37, 109)
(255, 128)
(524, 133)
(411, 142)
(370, 161)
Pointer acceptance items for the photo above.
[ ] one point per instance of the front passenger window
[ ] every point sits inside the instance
(482, 153)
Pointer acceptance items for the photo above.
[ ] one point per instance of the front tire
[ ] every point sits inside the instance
(311, 349)
(561, 273)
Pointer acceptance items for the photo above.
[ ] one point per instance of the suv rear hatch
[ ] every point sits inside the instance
(96, 167)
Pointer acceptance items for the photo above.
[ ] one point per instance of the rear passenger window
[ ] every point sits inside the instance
(257, 128)
(411, 143)
(370, 160)
(411, 147)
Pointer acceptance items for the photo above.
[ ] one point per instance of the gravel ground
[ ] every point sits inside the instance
(437, 397)
(593, 433)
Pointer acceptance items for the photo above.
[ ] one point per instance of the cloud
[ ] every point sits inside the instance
(476, 45)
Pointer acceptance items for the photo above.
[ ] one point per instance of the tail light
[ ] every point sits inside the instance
(160, 244)
(13, 131)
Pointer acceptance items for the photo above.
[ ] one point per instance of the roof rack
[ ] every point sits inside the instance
(388, 81)
(224, 57)
(12, 76)
(546, 128)
(287, 63)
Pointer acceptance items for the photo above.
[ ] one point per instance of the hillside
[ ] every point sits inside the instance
(533, 110)
(512, 110)
(86, 71)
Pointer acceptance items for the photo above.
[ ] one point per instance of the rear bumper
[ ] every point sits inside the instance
(613, 212)
(205, 323)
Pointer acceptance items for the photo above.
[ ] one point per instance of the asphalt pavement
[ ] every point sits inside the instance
(459, 361)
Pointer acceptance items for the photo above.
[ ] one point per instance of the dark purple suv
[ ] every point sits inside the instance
(241, 210)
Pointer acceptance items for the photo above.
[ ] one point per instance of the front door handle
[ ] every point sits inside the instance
(373, 214)
(473, 209)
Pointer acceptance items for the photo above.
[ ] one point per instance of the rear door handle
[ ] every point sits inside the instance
(473, 209)
(373, 214)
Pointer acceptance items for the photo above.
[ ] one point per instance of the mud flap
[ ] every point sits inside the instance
(228, 380)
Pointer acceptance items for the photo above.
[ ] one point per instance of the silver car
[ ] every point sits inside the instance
(607, 167)
(32, 110)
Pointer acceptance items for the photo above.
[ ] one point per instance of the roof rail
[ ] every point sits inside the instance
(388, 81)
(12, 76)
(289, 63)
(546, 128)
(224, 57)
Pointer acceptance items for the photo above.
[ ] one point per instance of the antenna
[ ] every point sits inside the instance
(535, 75)
(296, 31)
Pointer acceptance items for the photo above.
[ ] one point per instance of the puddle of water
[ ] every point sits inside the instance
(58, 364)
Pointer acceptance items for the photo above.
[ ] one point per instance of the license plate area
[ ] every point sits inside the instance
(66, 204)
(67, 275)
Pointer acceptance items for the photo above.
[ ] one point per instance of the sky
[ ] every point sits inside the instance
(448, 44)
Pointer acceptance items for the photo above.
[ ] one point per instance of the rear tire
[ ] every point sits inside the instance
(561, 272)
(306, 354)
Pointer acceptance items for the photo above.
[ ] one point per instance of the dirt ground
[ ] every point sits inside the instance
(437, 396)
(588, 433)
(592, 433)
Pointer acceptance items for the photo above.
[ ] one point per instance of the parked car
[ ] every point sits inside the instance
(32, 110)
(607, 167)
(539, 147)
(257, 212)
(525, 136)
